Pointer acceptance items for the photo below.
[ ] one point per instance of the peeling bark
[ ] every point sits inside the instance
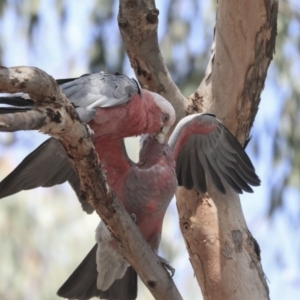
(224, 254)
(242, 51)
(217, 239)
(240, 56)
(60, 120)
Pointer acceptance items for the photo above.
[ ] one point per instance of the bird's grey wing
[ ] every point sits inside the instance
(100, 90)
(82, 284)
(89, 92)
(46, 166)
(203, 147)
(86, 114)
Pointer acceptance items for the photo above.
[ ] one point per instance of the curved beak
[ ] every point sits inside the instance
(165, 130)
(161, 138)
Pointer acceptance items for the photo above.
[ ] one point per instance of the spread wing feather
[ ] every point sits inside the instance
(197, 172)
(204, 148)
(186, 173)
(237, 179)
(46, 166)
(178, 168)
(214, 172)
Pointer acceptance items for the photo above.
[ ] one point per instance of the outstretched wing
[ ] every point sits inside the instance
(204, 148)
(46, 166)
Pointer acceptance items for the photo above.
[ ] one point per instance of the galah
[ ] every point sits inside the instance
(201, 145)
(203, 148)
(145, 189)
(111, 104)
(219, 157)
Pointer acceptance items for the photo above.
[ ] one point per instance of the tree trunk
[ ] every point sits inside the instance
(225, 256)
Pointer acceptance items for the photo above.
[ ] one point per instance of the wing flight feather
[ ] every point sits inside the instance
(204, 148)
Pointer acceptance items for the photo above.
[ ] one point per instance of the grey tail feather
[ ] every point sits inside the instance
(82, 284)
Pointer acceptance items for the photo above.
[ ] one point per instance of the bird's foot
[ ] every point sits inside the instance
(90, 131)
(166, 264)
(134, 218)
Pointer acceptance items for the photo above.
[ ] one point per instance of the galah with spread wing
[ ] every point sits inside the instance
(196, 141)
(201, 145)
(145, 189)
(210, 151)
(204, 148)
(111, 104)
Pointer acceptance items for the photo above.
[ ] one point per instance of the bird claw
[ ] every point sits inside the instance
(166, 264)
(90, 131)
(134, 218)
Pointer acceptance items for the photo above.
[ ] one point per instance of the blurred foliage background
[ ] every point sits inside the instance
(44, 234)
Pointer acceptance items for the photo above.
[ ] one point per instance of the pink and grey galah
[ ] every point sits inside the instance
(111, 104)
(202, 148)
(146, 189)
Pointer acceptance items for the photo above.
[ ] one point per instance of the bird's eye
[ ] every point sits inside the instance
(166, 118)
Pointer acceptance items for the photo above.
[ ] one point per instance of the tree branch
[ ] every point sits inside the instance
(60, 120)
(138, 21)
(241, 53)
(225, 256)
(240, 56)
(32, 120)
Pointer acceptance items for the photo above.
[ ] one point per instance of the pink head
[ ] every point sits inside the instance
(153, 148)
(161, 114)
(146, 112)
